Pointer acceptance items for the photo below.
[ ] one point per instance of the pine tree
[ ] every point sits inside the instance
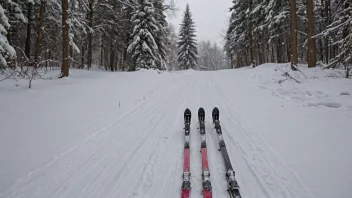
(230, 52)
(144, 49)
(340, 31)
(10, 17)
(255, 32)
(6, 50)
(187, 44)
(172, 48)
(161, 38)
(237, 32)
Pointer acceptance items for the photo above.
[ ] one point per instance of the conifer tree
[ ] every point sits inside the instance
(143, 48)
(161, 38)
(236, 33)
(340, 31)
(187, 44)
(6, 50)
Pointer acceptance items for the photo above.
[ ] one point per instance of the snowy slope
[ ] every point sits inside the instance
(102, 134)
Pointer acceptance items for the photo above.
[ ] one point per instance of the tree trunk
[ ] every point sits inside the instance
(101, 51)
(90, 24)
(293, 54)
(121, 59)
(259, 57)
(238, 60)
(28, 38)
(124, 58)
(117, 61)
(321, 28)
(288, 50)
(106, 57)
(72, 60)
(50, 55)
(278, 50)
(250, 35)
(272, 53)
(321, 47)
(263, 54)
(38, 49)
(231, 61)
(311, 41)
(112, 57)
(327, 22)
(65, 40)
(82, 57)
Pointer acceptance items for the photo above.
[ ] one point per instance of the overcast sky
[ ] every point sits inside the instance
(210, 17)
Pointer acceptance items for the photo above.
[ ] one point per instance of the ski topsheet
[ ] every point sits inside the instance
(186, 184)
(232, 186)
(207, 193)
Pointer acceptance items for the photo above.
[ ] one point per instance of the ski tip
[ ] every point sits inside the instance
(187, 112)
(215, 114)
(201, 114)
(201, 111)
(187, 115)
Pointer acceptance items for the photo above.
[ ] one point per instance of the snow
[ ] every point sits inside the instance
(17, 11)
(105, 134)
(6, 50)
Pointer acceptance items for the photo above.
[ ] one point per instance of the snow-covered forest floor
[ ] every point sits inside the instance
(103, 134)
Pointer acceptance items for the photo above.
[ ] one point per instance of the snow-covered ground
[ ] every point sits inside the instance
(104, 134)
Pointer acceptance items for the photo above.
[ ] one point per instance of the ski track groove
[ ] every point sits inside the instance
(199, 150)
(195, 168)
(155, 152)
(211, 156)
(178, 148)
(157, 121)
(169, 172)
(218, 168)
(263, 182)
(142, 139)
(242, 183)
(222, 173)
(265, 159)
(27, 181)
(108, 145)
(97, 165)
(102, 150)
(42, 170)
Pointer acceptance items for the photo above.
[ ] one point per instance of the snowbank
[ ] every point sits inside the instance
(306, 124)
(317, 87)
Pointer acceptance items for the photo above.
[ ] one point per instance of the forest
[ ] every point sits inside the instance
(317, 32)
(124, 35)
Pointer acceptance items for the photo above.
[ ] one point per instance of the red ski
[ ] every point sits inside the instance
(186, 185)
(207, 193)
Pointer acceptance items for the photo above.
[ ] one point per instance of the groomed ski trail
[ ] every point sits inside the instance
(123, 159)
(259, 170)
(141, 153)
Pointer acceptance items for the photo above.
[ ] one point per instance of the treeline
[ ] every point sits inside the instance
(297, 31)
(80, 33)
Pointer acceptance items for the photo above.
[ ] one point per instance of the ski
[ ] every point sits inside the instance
(207, 193)
(186, 184)
(232, 185)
